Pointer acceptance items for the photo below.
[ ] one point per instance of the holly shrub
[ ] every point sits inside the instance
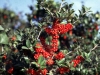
(56, 41)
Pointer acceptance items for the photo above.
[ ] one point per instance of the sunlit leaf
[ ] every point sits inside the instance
(4, 38)
(1, 28)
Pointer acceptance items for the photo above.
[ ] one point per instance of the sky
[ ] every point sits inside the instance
(22, 5)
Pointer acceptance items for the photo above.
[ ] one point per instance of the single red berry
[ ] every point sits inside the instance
(37, 55)
(5, 17)
(4, 56)
(10, 70)
(13, 38)
(31, 71)
(44, 71)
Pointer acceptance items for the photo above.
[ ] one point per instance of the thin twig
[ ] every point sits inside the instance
(49, 11)
(82, 14)
(73, 51)
(85, 12)
(60, 6)
(94, 48)
(75, 21)
(39, 34)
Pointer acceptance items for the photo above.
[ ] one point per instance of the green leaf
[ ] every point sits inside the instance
(48, 40)
(24, 47)
(88, 60)
(34, 43)
(3, 38)
(70, 5)
(87, 55)
(27, 59)
(35, 64)
(71, 12)
(28, 43)
(80, 11)
(18, 37)
(64, 51)
(31, 48)
(40, 59)
(1, 28)
(72, 68)
(97, 58)
(61, 61)
(84, 71)
(43, 66)
(42, 62)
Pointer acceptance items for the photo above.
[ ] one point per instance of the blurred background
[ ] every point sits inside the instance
(21, 7)
(16, 13)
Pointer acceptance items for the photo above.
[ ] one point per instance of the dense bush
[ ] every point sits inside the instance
(56, 42)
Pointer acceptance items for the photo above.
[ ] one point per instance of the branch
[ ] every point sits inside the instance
(49, 11)
(73, 51)
(39, 34)
(60, 6)
(85, 13)
(94, 48)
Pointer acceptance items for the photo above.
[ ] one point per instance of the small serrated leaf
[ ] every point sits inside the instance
(24, 47)
(28, 43)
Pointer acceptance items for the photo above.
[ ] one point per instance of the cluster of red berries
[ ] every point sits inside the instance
(49, 51)
(63, 70)
(40, 51)
(59, 56)
(59, 28)
(55, 30)
(77, 60)
(39, 72)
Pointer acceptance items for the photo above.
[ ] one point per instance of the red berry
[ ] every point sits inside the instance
(59, 56)
(63, 70)
(10, 70)
(31, 71)
(50, 62)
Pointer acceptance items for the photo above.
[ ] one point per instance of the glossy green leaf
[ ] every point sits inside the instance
(35, 64)
(28, 43)
(70, 5)
(42, 62)
(1, 28)
(27, 59)
(40, 59)
(61, 61)
(24, 47)
(31, 48)
(18, 37)
(4, 38)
